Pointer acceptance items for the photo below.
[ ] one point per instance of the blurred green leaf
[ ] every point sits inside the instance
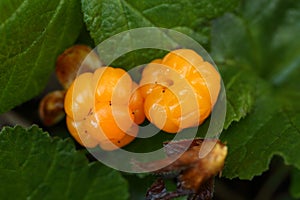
(139, 186)
(261, 38)
(33, 33)
(263, 35)
(295, 184)
(35, 166)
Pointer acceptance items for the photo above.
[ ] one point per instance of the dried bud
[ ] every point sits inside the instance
(194, 175)
(71, 59)
(51, 108)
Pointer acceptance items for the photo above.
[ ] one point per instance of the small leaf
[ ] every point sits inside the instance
(39, 167)
(33, 33)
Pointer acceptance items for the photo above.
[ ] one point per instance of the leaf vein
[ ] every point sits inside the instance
(20, 7)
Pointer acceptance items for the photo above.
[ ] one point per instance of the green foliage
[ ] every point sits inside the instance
(35, 166)
(33, 33)
(106, 18)
(262, 38)
(240, 87)
(295, 183)
(256, 47)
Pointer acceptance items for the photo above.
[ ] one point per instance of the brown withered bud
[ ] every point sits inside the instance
(51, 108)
(194, 175)
(68, 63)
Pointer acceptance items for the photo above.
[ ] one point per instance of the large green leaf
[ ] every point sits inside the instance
(262, 37)
(105, 18)
(35, 166)
(33, 33)
(269, 130)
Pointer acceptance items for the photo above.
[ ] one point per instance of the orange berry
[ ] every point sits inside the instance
(179, 91)
(98, 110)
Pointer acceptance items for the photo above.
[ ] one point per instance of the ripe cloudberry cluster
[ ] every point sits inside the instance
(176, 92)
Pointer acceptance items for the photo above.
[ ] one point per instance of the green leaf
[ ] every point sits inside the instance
(230, 43)
(240, 92)
(261, 38)
(273, 128)
(138, 186)
(105, 18)
(295, 184)
(35, 166)
(275, 32)
(33, 33)
(269, 130)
